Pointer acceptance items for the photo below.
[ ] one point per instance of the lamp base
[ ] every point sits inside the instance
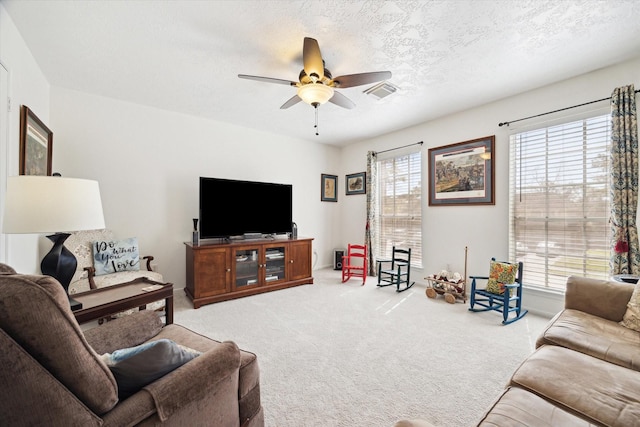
(60, 264)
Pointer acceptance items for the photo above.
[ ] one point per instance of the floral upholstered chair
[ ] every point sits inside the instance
(91, 274)
(81, 244)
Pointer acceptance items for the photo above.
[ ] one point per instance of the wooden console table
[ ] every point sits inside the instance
(104, 302)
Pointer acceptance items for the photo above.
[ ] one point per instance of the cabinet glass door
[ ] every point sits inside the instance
(247, 267)
(275, 266)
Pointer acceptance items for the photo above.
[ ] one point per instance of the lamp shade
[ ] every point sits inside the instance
(47, 204)
(315, 93)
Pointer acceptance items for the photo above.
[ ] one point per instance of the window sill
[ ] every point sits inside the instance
(543, 301)
(544, 291)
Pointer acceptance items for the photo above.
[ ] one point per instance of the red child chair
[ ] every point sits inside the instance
(354, 264)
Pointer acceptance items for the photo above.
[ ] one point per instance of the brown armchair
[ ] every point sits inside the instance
(52, 373)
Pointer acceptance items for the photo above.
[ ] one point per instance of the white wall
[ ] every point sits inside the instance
(148, 162)
(484, 229)
(27, 86)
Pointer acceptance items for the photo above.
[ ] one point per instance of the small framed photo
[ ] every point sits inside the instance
(462, 173)
(36, 144)
(356, 183)
(328, 189)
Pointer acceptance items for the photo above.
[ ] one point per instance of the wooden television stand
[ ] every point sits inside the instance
(223, 271)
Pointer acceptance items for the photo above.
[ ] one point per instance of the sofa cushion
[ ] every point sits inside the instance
(595, 336)
(602, 298)
(135, 367)
(126, 331)
(603, 392)
(518, 407)
(631, 318)
(500, 274)
(35, 312)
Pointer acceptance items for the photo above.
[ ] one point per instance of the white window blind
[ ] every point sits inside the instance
(399, 206)
(559, 201)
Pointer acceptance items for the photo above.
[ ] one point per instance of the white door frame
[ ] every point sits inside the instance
(5, 154)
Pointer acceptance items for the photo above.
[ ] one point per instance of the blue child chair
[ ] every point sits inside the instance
(503, 291)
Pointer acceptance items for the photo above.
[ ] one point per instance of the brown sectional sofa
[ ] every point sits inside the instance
(585, 369)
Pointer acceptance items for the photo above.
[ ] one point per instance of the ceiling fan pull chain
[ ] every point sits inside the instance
(316, 125)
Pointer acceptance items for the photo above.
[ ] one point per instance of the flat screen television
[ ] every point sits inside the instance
(230, 208)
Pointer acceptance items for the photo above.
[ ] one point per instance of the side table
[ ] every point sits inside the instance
(103, 302)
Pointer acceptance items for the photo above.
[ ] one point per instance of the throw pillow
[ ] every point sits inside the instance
(631, 318)
(118, 255)
(136, 367)
(501, 273)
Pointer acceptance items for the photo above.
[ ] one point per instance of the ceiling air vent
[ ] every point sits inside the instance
(381, 90)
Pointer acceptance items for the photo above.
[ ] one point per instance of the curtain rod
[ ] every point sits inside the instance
(397, 148)
(555, 111)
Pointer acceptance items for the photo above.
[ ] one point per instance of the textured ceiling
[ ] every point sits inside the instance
(445, 56)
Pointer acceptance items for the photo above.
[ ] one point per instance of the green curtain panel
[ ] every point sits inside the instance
(372, 209)
(625, 253)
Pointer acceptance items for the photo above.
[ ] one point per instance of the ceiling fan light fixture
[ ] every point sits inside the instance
(315, 93)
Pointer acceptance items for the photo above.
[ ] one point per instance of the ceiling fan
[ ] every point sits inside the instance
(315, 83)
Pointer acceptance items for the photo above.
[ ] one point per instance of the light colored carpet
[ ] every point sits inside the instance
(334, 354)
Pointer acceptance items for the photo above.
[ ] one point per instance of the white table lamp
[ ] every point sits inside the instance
(52, 204)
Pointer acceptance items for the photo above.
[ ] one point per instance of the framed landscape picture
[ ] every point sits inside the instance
(356, 183)
(462, 173)
(328, 189)
(36, 144)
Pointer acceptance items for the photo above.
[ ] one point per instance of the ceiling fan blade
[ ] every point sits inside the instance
(342, 101)
(293, 101)
(351, 80)
(268, 80)
(312, 59)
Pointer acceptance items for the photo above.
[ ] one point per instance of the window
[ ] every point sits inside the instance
(559, 202)
(400, 206)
